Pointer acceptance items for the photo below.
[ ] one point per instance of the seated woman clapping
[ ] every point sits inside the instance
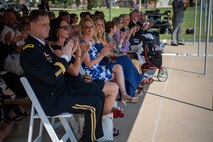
(131, 75)
(93, 58)
(59, 33)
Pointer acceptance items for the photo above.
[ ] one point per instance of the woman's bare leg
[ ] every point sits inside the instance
(110, 90)
(119, 79)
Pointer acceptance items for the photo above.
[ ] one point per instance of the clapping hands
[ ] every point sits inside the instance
(107, 49)
(75, 44)
(68, 49)
(84, 47)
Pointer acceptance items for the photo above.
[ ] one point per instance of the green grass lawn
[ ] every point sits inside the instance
(188, 19)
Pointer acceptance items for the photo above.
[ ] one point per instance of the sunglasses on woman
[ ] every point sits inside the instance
(65, 27)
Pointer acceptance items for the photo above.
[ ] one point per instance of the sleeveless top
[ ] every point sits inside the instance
(97, 71)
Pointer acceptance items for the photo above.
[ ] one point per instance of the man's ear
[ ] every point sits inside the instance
(32, 24)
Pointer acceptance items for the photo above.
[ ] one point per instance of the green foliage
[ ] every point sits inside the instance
(70, 2)
(90, 4)
(99, 3)
(95, 3)
(17, 1)
(53, 1)
(187, 23)
(65, 2)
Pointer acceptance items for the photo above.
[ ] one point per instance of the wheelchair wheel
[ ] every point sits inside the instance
(162, 75)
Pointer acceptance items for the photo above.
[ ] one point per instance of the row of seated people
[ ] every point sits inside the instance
(91, 46)
(13, 97)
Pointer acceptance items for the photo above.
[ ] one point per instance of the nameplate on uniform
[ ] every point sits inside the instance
(28, 46)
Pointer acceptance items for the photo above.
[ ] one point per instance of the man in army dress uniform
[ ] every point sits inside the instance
(45, 73)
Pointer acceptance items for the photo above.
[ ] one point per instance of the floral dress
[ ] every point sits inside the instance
(97, 71)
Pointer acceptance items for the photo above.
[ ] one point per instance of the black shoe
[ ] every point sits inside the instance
(180, 43)
(174, 44)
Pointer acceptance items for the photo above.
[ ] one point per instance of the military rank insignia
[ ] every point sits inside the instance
(28, 46)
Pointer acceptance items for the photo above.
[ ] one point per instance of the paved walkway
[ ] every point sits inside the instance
(178, 110)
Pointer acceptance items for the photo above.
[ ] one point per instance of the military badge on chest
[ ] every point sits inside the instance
(48, 57)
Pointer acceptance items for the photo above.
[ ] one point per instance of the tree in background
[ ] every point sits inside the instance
(90, 4)
(53, 1)
(107, 3)
(78, 3)
(70, 2)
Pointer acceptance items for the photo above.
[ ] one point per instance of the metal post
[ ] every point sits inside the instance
(207, 37)
(200, 27)
(195, 21)
(211, 24)
(205, 18)
(110, 12)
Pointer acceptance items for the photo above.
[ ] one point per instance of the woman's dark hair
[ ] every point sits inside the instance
(116, 20)
(83, 14)
(24, 21)
(72, 16)
(63, 13)
(99, 13)
(51, 14)
(54, 26)
(108, 26)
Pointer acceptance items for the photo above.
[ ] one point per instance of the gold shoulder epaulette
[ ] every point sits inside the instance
(28, 46)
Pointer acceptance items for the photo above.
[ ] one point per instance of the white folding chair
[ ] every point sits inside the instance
(38, 113)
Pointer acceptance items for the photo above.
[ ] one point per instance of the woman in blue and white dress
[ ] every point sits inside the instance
(91, 63)
(97, 71)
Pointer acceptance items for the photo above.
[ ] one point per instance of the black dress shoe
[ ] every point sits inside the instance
(180, 43)
(174, 44)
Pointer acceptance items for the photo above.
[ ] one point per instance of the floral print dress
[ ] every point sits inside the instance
(97, 71)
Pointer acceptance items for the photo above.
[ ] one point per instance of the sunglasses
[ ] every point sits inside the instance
(65, 27)
(89, 27)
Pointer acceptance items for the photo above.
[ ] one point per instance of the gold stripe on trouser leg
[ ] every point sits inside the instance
(93, 118)
(93, 114)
